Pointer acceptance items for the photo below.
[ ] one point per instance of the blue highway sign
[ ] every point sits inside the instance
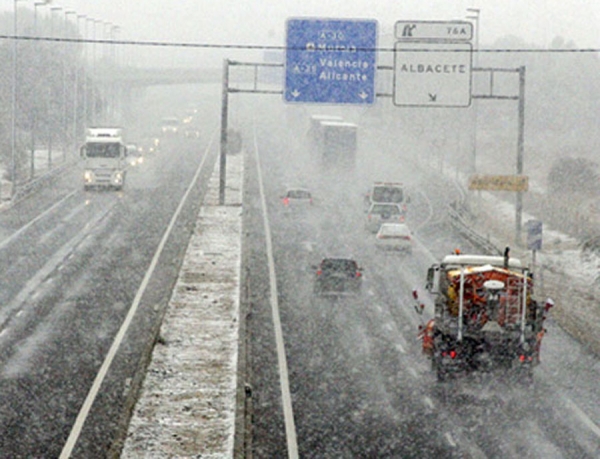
(534, 234)
(330, 61)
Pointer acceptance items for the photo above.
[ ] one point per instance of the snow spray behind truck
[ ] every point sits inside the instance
(485, 316)
(104, 155)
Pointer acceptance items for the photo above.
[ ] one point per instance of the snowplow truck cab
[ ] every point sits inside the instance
(485, 316)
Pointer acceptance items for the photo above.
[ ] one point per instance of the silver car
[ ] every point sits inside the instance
(394, 236)
(297, 199)
(380, 213)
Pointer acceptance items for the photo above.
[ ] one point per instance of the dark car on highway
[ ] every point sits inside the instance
(337, 276)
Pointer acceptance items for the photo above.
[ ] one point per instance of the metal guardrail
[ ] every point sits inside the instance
(39, 183)
(458, 214)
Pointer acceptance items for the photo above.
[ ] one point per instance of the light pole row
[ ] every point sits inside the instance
(79, 77)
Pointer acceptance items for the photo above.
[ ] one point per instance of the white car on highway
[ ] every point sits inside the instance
(380, 213)
(394, 236)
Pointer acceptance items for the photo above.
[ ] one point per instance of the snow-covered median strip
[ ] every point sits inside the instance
(187, 405)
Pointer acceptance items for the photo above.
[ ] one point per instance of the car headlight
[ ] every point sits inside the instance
(118, 178)
(88, 176)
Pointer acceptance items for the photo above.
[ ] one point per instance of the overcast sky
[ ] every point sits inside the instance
(262, 22)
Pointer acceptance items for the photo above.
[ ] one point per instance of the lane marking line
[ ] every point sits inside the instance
(288, 414)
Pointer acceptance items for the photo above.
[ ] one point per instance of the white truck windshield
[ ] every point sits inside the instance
(103, 150)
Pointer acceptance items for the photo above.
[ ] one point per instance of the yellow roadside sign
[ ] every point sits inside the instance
(499, 182)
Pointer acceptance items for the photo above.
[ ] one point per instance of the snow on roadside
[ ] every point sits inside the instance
(560, 252)
(187, 404)
(563, 272)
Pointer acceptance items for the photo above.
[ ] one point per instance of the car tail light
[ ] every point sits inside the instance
(286, 201)
(319, 272)
(358, 274)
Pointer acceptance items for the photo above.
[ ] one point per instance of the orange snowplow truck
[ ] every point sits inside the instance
(485, 316)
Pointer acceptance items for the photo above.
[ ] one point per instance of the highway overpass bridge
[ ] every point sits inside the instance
(123, 84)
(137, 77)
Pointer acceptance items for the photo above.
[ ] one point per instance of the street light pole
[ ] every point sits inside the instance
(94, 63)
(76, 88)
(49, 116)
(116, 88)
(106, 61)
(35, 108)
(474, 15)
(13, 130)
(13, 121)
(86, 74)
(64, 75)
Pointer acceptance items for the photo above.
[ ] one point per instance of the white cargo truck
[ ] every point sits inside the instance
(338, 144)
(104, 158)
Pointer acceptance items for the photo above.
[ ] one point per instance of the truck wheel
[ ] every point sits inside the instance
(440, 371)
(525, 376)
(442, 376)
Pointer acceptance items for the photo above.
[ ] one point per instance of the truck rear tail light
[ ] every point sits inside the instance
(452, 354)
